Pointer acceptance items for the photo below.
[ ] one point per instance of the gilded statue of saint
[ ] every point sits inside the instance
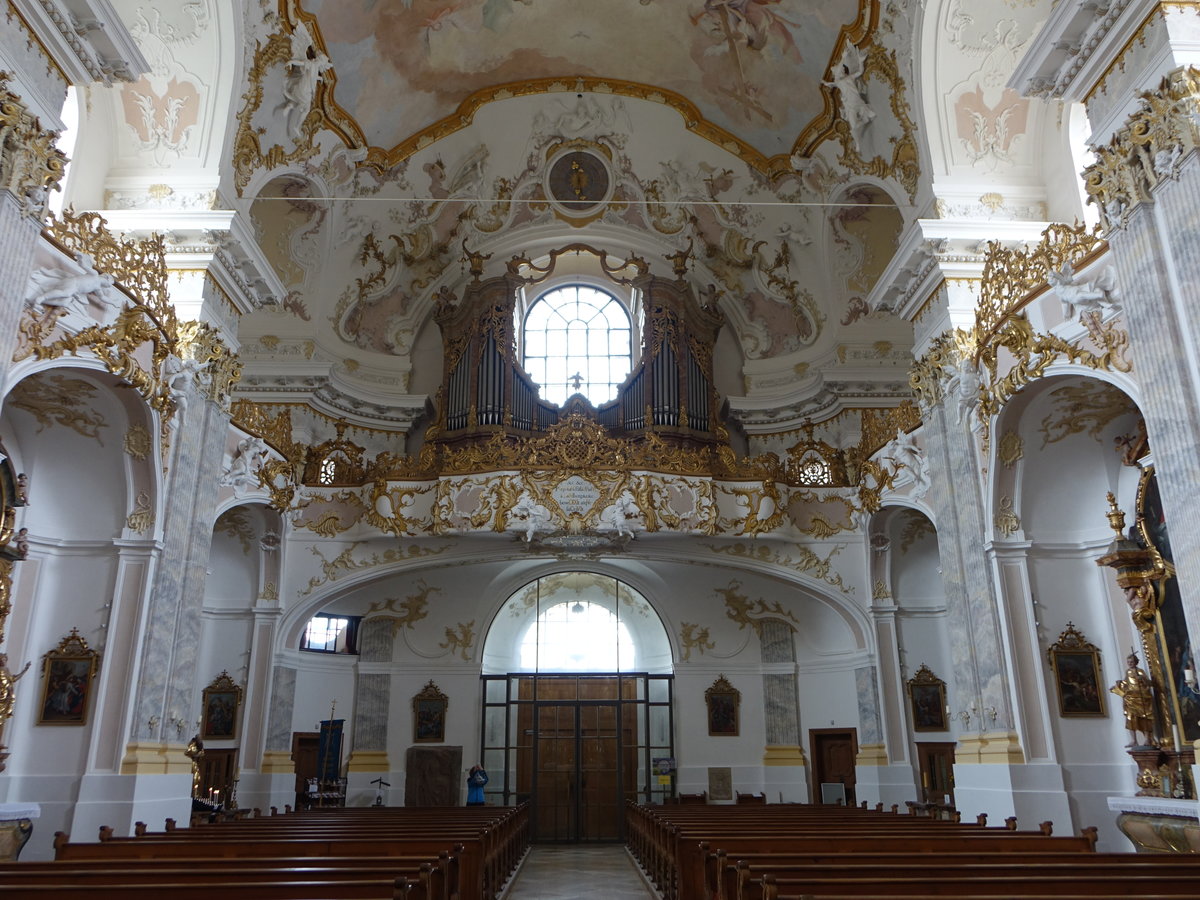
(1137, 695)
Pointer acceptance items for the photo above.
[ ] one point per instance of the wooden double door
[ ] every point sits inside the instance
(577, 759)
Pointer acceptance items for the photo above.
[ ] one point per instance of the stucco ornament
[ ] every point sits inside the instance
(529, 516)
(1079, 295)
(178, 374)
(903, 453)
(242, 474)
(302, 72)
(847, 79)
(74, 290)
(621, 518)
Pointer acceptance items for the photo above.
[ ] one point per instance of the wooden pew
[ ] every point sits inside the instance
(486, 847)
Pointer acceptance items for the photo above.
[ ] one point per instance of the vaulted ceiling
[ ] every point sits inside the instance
(786, 147)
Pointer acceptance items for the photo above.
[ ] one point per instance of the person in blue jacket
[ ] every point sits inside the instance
(476, 779)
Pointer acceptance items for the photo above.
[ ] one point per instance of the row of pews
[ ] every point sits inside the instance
(798, 852)
(464, 853)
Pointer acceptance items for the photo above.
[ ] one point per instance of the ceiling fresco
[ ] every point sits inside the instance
(752, 68)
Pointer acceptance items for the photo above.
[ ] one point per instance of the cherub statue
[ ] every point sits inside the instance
(69, 291)
(621, 516)
(178, 373)
(1137, 696)
(1079, 296)
(903, 452)
(242, 473)
(529, 516)
(847, 78)
(303, 72)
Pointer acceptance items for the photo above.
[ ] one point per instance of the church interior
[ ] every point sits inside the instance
(780, 399)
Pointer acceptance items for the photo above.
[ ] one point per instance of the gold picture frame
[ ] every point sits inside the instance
(724, 708)
(429, 715)
(927, 696)
(1076, 665)
(67, 675)
(219, 709)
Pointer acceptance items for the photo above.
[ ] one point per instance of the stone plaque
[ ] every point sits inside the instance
(576, 495)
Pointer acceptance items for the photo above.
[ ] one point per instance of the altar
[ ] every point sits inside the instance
(15, 828)
(1159, 824)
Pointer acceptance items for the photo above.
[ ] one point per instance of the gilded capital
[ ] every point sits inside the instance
(30, 165)
(1147, 149)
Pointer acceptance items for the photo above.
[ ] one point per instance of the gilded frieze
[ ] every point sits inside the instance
(137, 442)
(1147, 149)
(330, 515)
(916, 528)
(141, 519)
(741, 609)
(30, 164)
(344, 562)
(1084, 408)
(1006, 520)
(390, 505)
(799, 558)
(693, 637)
(407, 612)
(460, 639)
(236, 524)
(1011, 448)
(60, 400)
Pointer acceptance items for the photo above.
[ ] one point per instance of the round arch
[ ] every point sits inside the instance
(576, 621)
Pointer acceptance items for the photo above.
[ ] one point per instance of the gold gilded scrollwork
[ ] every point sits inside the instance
(409, 611)
(693, 637)
(1147, 150)
(30, 165)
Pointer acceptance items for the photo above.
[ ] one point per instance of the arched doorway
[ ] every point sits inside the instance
(577, 704)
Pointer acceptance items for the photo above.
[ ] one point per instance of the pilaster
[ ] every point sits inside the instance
(1147, 182)
(30, 167)
(171, 636)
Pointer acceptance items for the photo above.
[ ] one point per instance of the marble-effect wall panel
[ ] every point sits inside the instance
(18, 232)
(973, 619)
(870, 731)
(172, 633)
(282, 708)
(781, 704)
(375, 640)
(371, 712)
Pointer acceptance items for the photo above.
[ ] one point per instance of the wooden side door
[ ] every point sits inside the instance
(936, 762)
(305, 747)
(833, 753)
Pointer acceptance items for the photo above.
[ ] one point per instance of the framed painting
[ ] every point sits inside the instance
(67, 674)
(724, 705)
(429, 715)
(927, 694)
(219, 709)
(1076, 665)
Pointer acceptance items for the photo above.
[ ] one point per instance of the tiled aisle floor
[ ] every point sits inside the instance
(578, 871)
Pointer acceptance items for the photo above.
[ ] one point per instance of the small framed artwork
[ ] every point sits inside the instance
(724, 704)
(927, 693)
(67, 675)
(429, 715)
(219, 716)
(1076, 665)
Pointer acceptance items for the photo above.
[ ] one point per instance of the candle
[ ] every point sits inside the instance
(1178, 742)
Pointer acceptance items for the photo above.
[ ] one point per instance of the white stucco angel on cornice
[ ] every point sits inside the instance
(1084, 295)
(242, 474)
(528, 516)
(902, 452)
(73, 291)
(622, 517)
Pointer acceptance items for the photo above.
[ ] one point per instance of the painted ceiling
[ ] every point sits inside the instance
(752, 68)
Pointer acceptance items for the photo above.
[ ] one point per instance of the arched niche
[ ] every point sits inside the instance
(576, 621)
(1057, 456)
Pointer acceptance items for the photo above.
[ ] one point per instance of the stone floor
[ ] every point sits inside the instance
(578, 871)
